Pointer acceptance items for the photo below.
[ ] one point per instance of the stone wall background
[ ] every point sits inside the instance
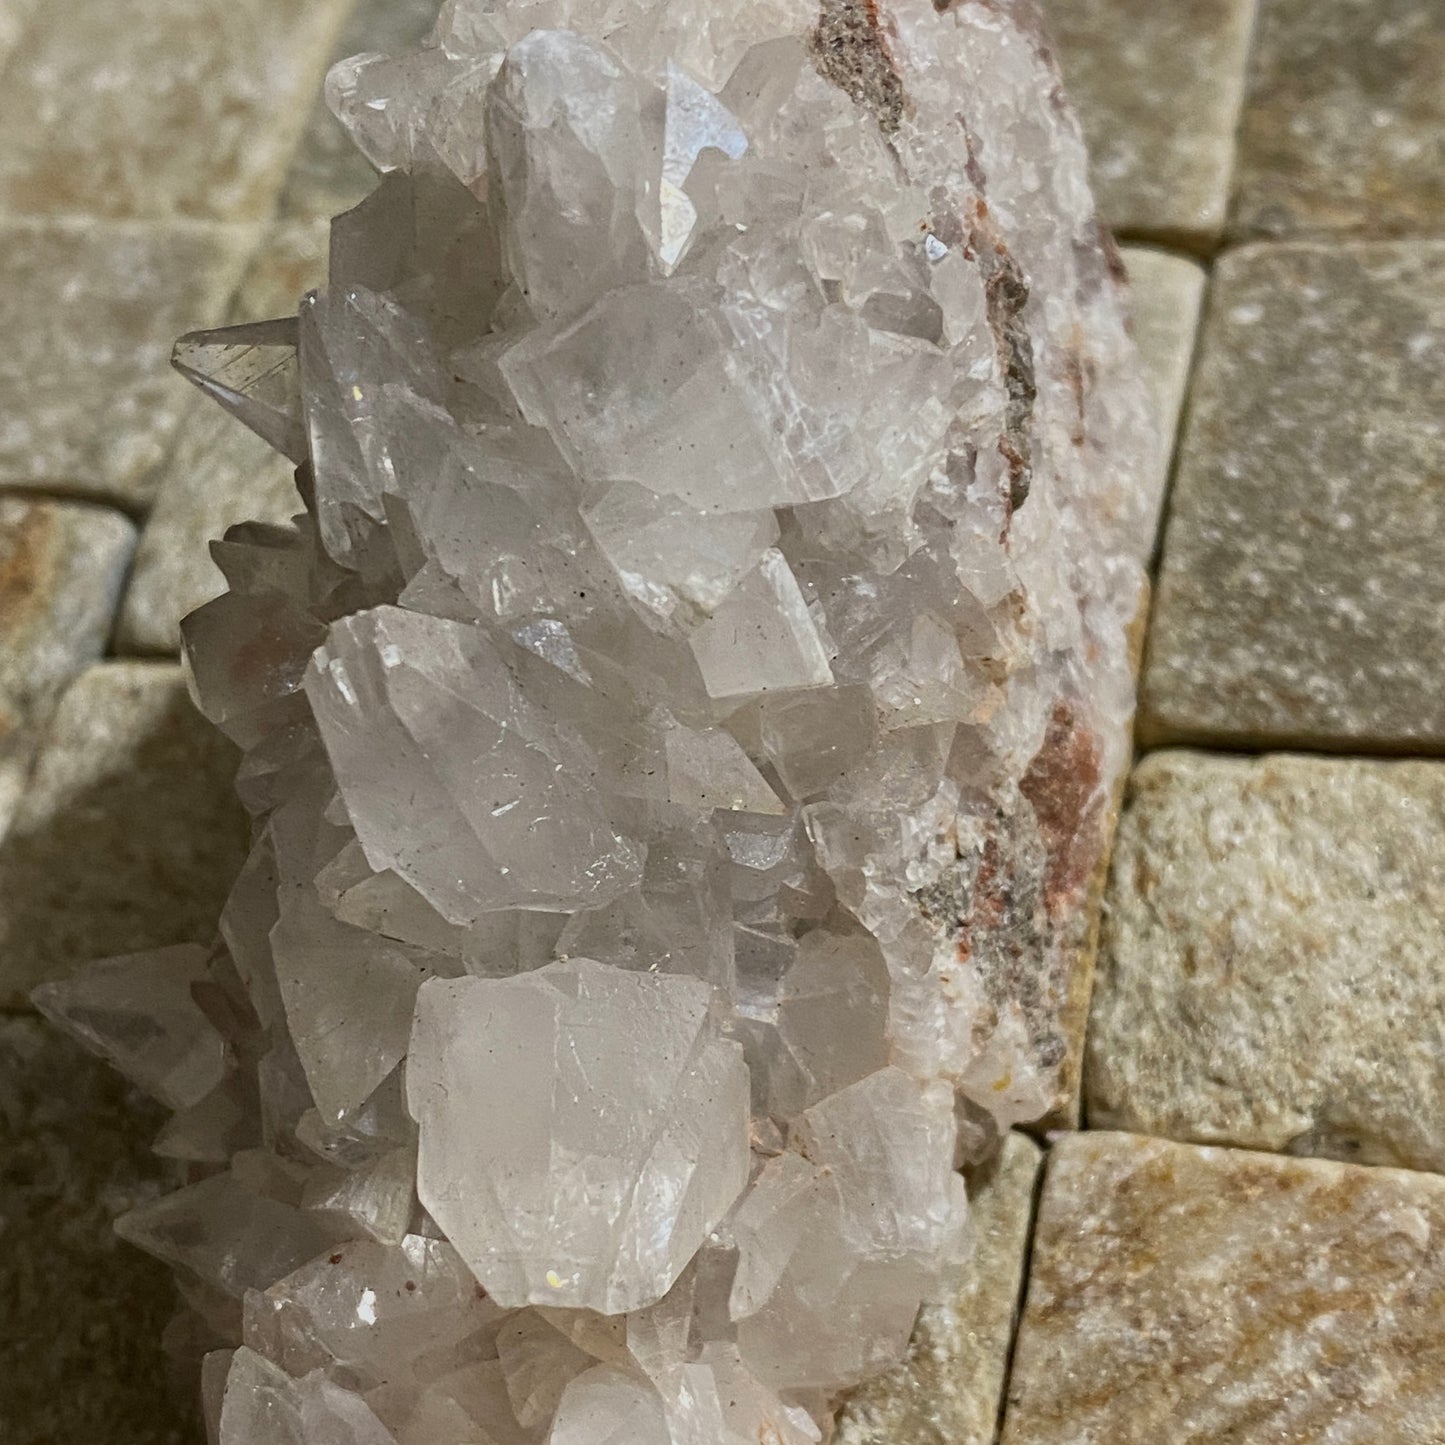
(1272, 973)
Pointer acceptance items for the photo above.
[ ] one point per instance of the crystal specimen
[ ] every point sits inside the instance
(681, 730)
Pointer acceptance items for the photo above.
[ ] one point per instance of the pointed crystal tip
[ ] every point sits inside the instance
(252, 371)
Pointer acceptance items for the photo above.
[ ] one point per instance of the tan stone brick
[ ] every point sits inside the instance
(160, 109)
(89, 311)
(1195, 1295)
(128, 835)
(1166, 293)
(1299, 601)
(1157, 87)
(1343, 129)
(1272, 972)
(61, 569)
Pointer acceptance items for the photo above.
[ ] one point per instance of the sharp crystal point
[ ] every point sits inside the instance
(253, 372)
(681, 731)
(140, 1013)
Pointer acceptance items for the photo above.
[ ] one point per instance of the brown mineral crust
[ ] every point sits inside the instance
(851, 50)
(1030, 923)
(1114, 258)
(1006, 293)
(1063, 783)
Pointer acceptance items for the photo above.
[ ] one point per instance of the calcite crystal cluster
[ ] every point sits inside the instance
(681, 730)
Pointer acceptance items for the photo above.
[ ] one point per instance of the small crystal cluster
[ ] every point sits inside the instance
(680, 731)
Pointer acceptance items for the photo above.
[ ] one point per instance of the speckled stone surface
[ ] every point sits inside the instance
(328, 174)
(1165, 296)
(218, 473)
(160, 108)
(1158, 88)
(14, 16)
(89, 311)
(61, 566)
(1299, 598)
(128, 836)
(950, 1390)
(80, 1353)
(1344, 122)
(1272, 972)
(1188, 1295)
(61, 569)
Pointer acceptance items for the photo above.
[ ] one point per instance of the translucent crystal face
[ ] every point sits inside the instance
(680, 730)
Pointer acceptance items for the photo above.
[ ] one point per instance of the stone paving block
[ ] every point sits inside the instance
(1194, 1296)
(1272, 972)
(328, 173)
(14, 16)
(160, 109)
(128, 836)
(61, 569)
(89, 311)
(950, 1390)
(1300, 598)
(1343, 129)
(61, 566)
(1166, 293)
(1158, 89)
(80, 1331)
(218, 473)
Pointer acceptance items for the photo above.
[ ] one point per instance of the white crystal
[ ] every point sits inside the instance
(681, 731)
(762, 639)
(370, 1312)
(448, 712)
(139, 1012)
(252, 371)
(625, 1139)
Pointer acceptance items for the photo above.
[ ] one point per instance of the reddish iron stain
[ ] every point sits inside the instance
(1063, 785)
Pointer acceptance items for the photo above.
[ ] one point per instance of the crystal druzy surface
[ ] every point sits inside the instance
(681, 729)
